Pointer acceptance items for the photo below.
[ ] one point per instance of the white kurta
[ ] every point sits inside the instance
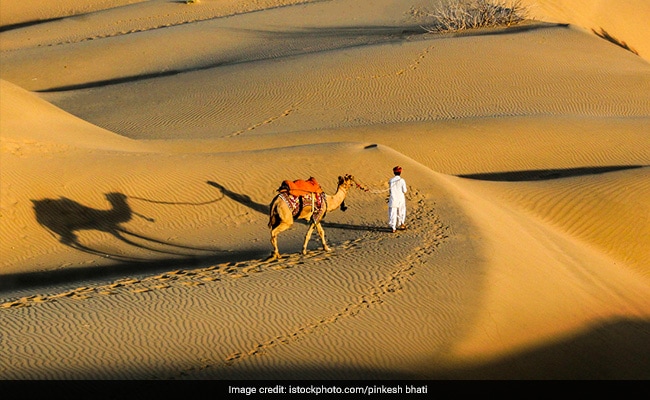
(396, 202)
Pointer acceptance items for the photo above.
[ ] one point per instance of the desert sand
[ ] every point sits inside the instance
(143, 141)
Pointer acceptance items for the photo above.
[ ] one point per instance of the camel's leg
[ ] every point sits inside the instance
(274, 237)
(321, 233)
(310, 230)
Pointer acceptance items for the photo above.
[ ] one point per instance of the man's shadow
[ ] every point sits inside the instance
(64, 218)
(242, 199)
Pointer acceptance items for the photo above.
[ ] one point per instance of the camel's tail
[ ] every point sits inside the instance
(273, 214)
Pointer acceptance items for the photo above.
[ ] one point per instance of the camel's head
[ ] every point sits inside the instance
(115, 197)
(346, 181)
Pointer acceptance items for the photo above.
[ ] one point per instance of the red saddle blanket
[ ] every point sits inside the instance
(300, 187)
(316, 201)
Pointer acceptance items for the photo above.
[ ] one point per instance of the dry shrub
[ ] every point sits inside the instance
(460, 15)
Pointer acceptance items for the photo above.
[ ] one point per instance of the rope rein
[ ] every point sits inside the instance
(366, 189)
(177, 203)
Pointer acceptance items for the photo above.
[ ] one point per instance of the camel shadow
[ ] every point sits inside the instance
(65, 218)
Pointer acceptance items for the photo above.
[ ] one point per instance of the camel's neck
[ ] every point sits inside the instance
(335, 200)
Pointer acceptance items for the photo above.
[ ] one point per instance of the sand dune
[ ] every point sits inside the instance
(142, 142)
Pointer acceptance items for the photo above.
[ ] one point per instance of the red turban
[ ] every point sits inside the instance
(397, 169)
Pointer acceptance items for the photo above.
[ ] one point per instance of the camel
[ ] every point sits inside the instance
(281, 216)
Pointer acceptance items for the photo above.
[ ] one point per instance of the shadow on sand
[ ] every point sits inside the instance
(546, 174)
(72, 277)
(65, 218)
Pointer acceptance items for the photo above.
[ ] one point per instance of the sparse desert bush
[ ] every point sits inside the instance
(458, 15)
(605, 35)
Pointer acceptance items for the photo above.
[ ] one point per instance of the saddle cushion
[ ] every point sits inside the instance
(300, 187)
(315, 200)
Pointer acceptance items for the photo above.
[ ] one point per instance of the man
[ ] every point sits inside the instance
(397, 201)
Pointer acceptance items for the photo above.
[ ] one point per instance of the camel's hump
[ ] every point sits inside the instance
(300, 187)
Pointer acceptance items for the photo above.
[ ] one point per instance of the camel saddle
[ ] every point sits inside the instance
(302, 192)
(300, 187)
